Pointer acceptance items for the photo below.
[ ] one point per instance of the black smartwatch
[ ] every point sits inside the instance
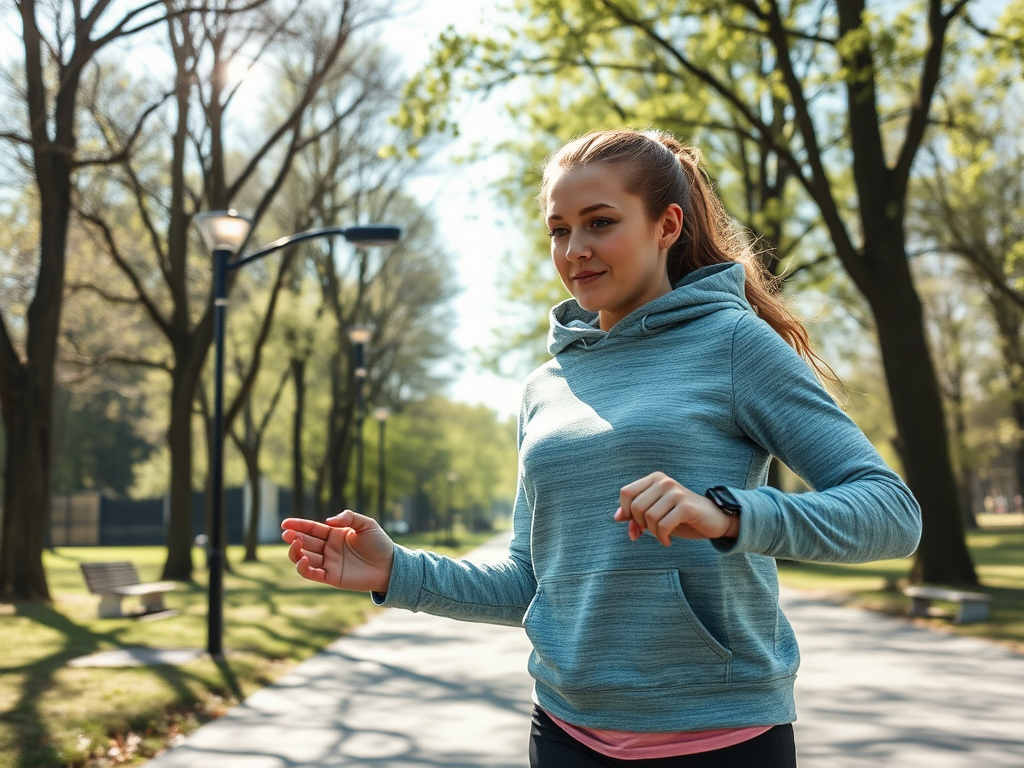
(723, 497)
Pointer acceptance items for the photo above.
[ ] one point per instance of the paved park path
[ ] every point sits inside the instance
(409, 690)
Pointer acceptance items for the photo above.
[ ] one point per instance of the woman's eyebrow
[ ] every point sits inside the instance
(585, 211)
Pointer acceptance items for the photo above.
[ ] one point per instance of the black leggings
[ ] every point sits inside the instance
(551, 747)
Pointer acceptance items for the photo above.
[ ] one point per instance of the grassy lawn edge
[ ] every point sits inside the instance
(52, 714)
(998, 552)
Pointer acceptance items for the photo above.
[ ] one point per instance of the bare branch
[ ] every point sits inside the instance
(796, 33)
(114, 251)
(17, 138)
(257, 358)
(155, 239)
(113, 298)
(121, 28)
(291, 123)
(931, 71)
(821, 258)
(116, 358)
(274, 400)
(818, 186)
(122, 154)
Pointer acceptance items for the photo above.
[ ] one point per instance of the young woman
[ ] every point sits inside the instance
(642, 564)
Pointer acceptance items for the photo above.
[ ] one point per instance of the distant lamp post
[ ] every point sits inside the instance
(452, 477)
(360, 335)
(382, 415)
(224, 233)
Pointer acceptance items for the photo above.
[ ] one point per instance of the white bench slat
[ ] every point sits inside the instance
(940, 593)
(100, 576)
(971, 606)
(114, 581)
(144, 589)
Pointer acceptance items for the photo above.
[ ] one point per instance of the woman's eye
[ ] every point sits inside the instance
(556, 232)
(601, 223)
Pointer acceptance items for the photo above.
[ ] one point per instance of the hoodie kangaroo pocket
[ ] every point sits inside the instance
(620, 630)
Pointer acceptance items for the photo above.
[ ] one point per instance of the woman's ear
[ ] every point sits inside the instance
(671, 226)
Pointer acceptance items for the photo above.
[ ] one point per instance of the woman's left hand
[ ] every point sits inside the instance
(661, 505)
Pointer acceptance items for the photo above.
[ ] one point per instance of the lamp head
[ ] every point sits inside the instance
(223, 230)
(360, 334)
(373, 235)
(381, 413)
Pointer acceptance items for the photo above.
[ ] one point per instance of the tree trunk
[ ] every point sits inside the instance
(26, 495)
(298, 483)
(956, 401)
(178, 566)
(251, 454)
(917, 407)
(26, 386)
(1008, 321)
(340, 447)
(318, 491)
(335, 478)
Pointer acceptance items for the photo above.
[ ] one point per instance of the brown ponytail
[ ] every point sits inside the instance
(661, 171)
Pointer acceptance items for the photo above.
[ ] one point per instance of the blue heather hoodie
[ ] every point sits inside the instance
(635, 636)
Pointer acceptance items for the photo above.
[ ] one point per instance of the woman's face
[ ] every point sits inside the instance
(609, 254)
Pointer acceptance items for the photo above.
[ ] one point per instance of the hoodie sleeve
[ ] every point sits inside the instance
(859, 509)
(492, 593)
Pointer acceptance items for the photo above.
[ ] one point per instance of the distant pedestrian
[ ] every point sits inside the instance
(676, 375)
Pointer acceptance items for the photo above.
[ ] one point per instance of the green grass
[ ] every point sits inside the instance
(55, 715)
(998, 553)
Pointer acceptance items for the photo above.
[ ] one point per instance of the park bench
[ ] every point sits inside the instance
(971, 606)
(115, 581)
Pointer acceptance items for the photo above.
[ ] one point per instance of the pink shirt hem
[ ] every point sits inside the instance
(626, 745)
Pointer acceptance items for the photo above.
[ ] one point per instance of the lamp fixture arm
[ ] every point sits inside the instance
(284, 242)
(366, 235)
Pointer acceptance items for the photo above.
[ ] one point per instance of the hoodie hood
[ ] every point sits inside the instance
(703, 291)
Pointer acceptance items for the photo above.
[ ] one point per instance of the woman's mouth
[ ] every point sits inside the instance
(582, 278)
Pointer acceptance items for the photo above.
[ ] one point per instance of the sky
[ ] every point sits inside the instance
(478, 231)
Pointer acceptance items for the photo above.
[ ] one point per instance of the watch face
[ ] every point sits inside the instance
(723, 497)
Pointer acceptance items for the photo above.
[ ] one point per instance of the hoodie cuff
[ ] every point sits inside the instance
(406, 582)
(759, 525)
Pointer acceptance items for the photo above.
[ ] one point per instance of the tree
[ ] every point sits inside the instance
(970, 203)
(309, 45)
(61, 43)
(250, 445)
(859, 88)
(434, 436)
(958, 337)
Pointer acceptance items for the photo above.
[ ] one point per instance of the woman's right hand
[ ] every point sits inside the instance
(349, 551)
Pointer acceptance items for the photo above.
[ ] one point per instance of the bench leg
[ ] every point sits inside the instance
(110, 606)
(971, 610)
(919, 606)
(153, 602)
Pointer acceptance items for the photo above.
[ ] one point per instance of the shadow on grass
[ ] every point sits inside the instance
(35, 748)
(32, 736)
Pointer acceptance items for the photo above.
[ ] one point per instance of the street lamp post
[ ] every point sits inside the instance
(381, 414)
(224, 233)
(360, 335)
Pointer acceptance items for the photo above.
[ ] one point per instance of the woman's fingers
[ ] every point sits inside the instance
(300, 545)
(307, 527)
(349, 519)
(307, 571)
(629, 506)
(661, 505)
(663, 516)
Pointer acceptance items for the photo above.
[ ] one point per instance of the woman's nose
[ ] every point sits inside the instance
(577, 249)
